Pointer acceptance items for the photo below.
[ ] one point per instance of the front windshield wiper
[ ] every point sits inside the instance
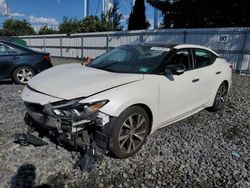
(106, 67)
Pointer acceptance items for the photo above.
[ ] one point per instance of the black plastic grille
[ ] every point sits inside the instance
(101, 139)
(34, 107)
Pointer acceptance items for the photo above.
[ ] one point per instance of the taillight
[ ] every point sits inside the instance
(46, 57)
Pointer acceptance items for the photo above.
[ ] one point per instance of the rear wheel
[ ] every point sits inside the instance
(220, 97)
(23, 74)
(129, 132)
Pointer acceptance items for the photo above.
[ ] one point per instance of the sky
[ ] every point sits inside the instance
(51, 12)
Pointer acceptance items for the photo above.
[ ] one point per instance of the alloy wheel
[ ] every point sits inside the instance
(221, 95)
(24, 75)
(132, 133)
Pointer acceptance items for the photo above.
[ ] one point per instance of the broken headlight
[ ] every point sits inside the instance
(76, 109)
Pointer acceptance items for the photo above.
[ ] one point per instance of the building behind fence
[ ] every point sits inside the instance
(231, 43)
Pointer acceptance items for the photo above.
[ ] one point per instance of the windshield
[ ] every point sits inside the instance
(131, 59)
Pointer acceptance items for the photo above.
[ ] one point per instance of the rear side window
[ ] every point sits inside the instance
(5, 50)
(202, 58)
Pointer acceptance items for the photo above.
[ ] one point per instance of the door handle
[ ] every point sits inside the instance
(196, 80)
(218, 72)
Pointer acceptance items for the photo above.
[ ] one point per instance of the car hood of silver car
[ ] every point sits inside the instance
(75, 80)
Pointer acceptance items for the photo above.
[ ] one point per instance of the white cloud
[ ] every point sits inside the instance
(43, 20)
(16, 14)
(36, 27)
(59, 1)
(4, 9)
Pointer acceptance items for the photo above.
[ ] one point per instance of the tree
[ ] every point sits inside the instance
(203, 13)
(91, 24)
(1, 32)
(45, 30)
(70, 25)
(137, 19)
(12, 27)
(111, 20)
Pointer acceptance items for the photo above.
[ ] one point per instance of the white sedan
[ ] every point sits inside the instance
(126, 94)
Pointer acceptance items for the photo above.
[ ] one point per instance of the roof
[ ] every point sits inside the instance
(177, 46)
(180, 46)
(160, 44)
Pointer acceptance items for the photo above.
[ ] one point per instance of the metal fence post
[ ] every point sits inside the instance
(239, 64)
(44, 44)
(141, 37)
(82, 42)
(185, 36)
(107, 44)
(61, 46)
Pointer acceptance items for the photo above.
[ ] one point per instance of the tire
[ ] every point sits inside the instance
(22, 75)
(129, 132)
(220, 97)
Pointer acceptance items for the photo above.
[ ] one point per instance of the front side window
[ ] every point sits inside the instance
(131, 59)
(5, 50)
(201, 58)
(181, 57)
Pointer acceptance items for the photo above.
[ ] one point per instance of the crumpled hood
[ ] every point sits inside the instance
(75, 80)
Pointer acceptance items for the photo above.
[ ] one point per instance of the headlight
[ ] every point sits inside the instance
(74, 108)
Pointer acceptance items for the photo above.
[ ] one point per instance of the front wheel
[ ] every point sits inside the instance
(23, 74)
(129, 132)
(220, 97)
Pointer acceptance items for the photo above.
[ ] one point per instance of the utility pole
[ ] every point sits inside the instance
(156, 12)
(85, 8)
(105, 6)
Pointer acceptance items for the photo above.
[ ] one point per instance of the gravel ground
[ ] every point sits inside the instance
(205, 150)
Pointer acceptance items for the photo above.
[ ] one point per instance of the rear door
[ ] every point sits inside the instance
(7, 58)
(203, 61)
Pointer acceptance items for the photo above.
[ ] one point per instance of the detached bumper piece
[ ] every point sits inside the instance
(91, 156)
(27, 139)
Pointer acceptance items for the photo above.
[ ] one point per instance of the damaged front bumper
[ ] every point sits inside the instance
(71, 121)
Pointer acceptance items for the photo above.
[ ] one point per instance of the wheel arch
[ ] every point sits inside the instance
(227, 84)
(149, 113)
(21, 65)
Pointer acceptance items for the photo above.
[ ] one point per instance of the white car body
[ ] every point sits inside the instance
(167, 99)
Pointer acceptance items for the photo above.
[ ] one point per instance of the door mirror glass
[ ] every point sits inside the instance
(176, 69)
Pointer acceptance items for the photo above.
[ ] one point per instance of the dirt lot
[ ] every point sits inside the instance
(205, 150)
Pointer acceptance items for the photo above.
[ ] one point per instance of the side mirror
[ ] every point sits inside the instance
(176, 69)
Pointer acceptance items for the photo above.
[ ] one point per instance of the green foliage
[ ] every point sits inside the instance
(108, 22)
(203, 13)
(70, 25)
(91, 24)
(12, 27)
(45, 30)
(111, 20)
(137, 19)
(1, 32)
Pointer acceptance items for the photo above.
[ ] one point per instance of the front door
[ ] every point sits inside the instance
(179, 94)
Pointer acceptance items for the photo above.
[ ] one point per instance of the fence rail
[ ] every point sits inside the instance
(231, 43)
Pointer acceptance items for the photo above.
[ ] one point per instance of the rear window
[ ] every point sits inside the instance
(203, 58)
